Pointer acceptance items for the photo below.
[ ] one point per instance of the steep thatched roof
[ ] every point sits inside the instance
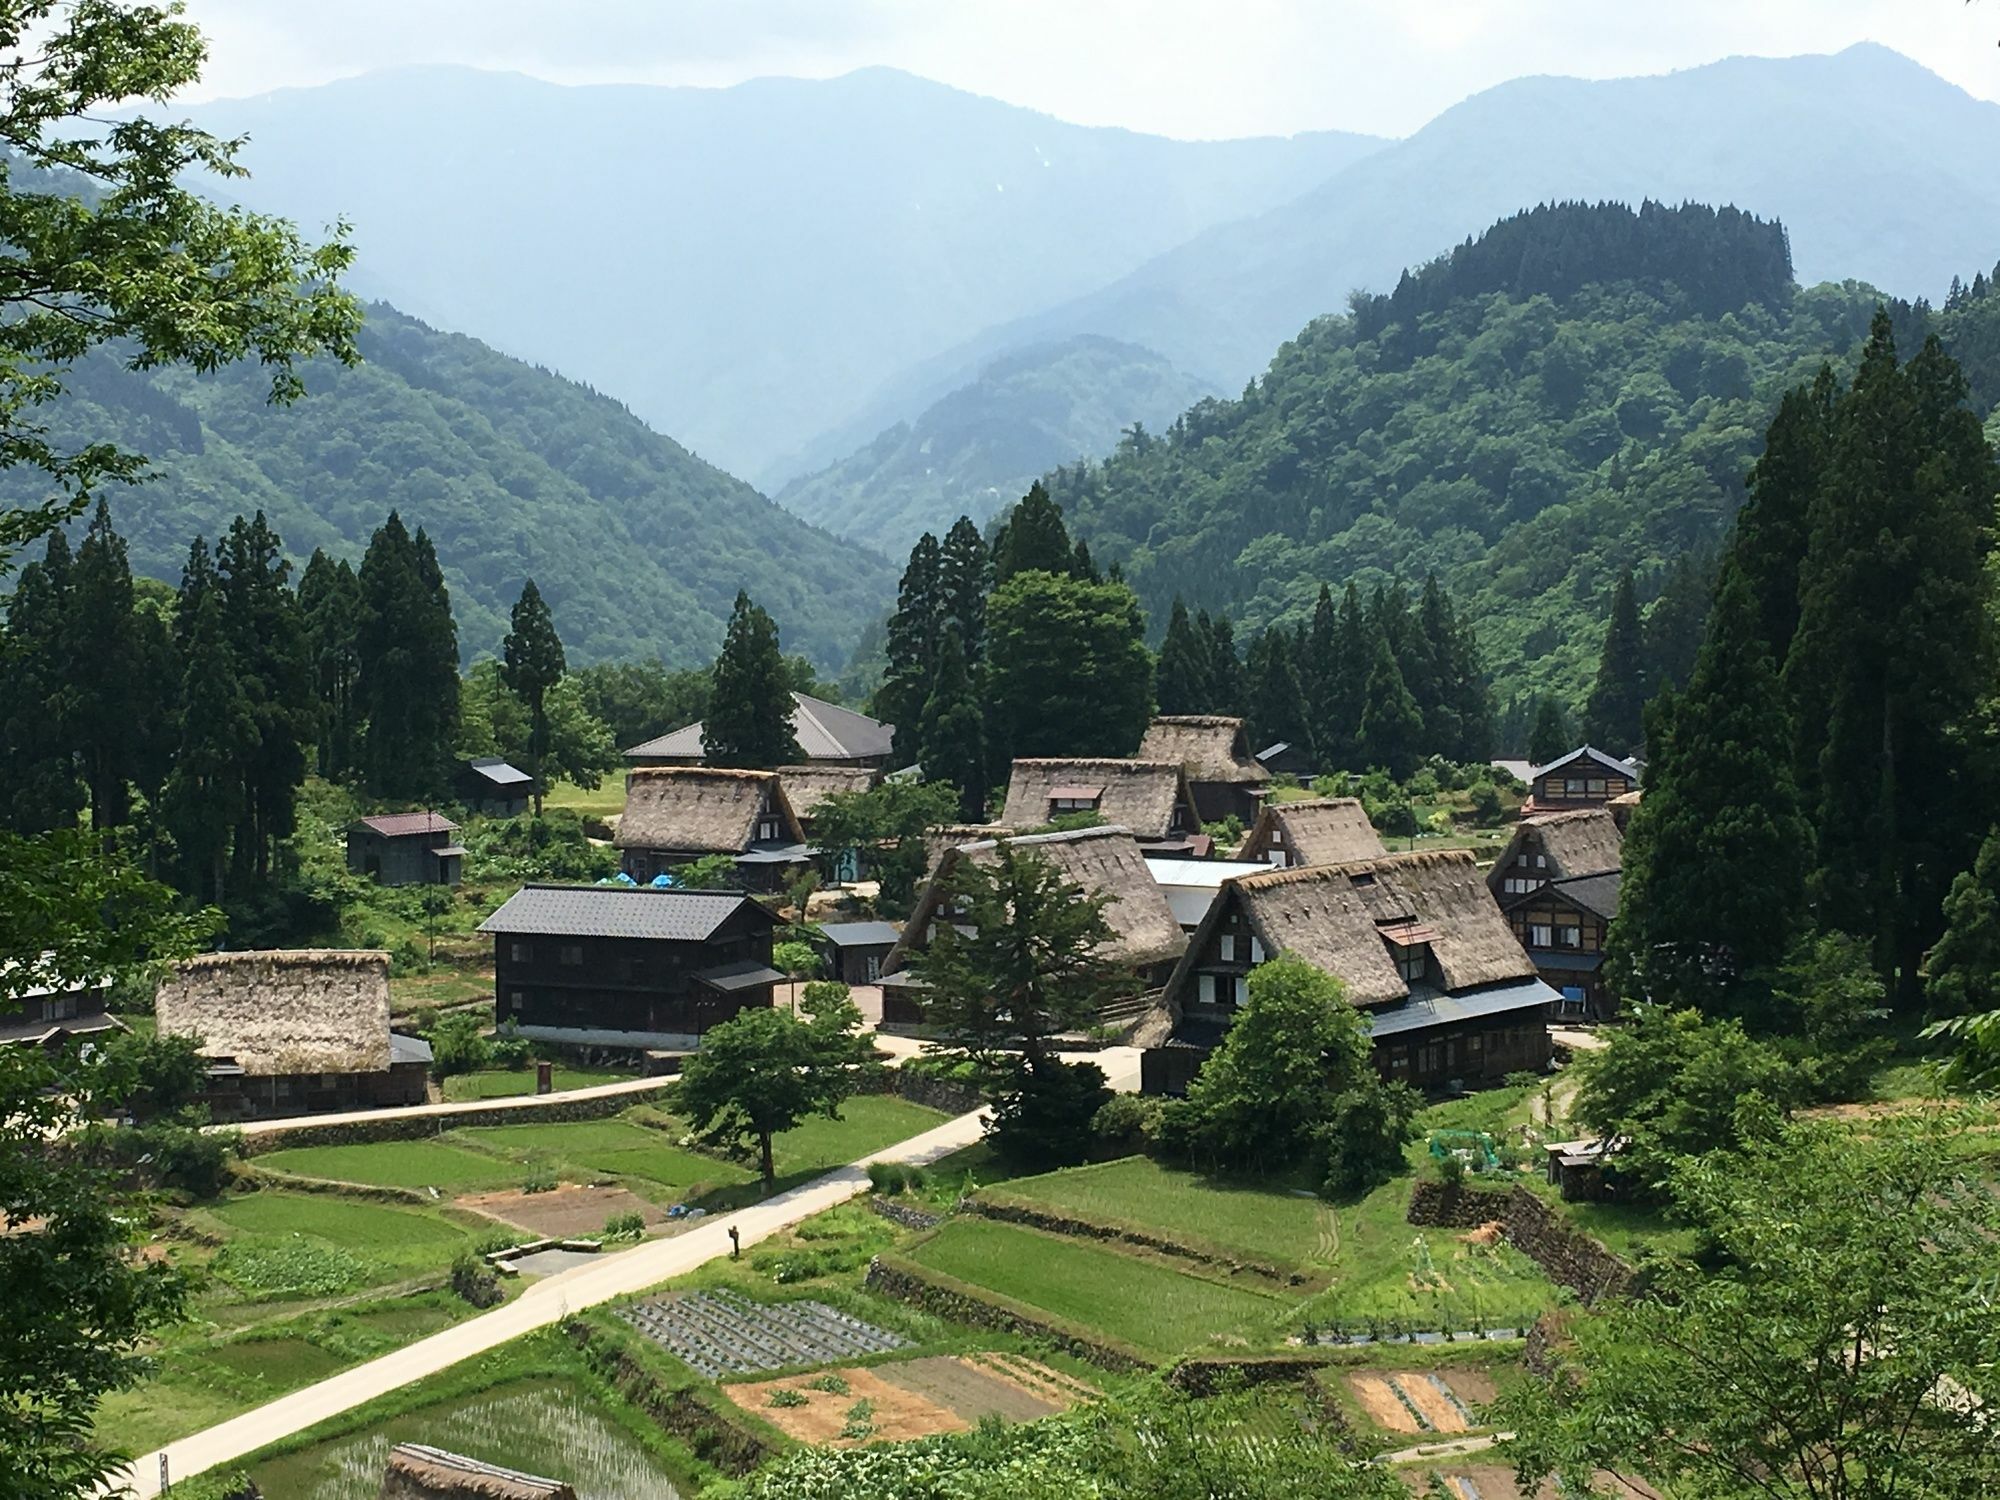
(1102, 862)
(1210, 747)
(417, 1472)
(808, 786)
(701, 809)
(1585, 841)
(1335, 916)
(1141, 795)
(307, 1010)
(948, 836)
(1316, 831)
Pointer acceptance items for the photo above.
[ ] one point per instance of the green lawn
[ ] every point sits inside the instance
(1151, 1306)
(607, 800)
(408, 1164)
(866, 1125)
(505, 1083)
(350, 1223)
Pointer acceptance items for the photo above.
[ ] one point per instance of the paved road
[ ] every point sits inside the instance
(444, 1112)
(545, 1302)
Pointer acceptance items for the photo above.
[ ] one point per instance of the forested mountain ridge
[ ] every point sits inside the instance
(742, 265)
(1503, 419)
(981, 446)
(639, 546)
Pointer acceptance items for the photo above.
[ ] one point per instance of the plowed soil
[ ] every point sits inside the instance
(565, 1212)
(1376, 1391)
(912, 1398)
(1381, 1403)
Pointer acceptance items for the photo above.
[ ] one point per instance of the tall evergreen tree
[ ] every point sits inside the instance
(330, 606)
(1034, 539)
(1274, 698)
(531, 664)
(1611, 719)
(1316, 676)
(42, 787)
(1180, 683)
(965, 578)
(1675, 623)
(912, 643)
(106, 690)
(1392, 727)
(1717, 853)
(1549, 739)
(1223, 693)
(749, 723)
(1770, 538)
(1067, 670)
(203, 800)
(267, 652)
(1962, 973)
(1339, 741)
(408, 651)
(952, 745)
(1082, 565)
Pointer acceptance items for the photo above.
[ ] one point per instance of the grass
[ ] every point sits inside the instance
(606, 800)
(607, 1147)
(406, 1164)
(351, 1224)
(505, 1083)
(1151, 1306)
(866, 1125)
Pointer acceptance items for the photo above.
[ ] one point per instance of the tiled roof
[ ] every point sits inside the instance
(402, 825)
(614, 911)
(825, 731)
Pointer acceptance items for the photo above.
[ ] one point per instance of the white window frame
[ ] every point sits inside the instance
(1226, 947)
(1541, 935)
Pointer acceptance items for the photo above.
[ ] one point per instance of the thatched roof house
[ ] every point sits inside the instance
(675, 814)
(418, 1472)
(1415, 940)
(311, 1010)
(1149, 797)
(1557, 846)
(806, 787)
(1214, 751)
(1102, 862)
(826, 732)
(1315, 831)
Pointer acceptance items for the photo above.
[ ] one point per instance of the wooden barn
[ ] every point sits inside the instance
(1226, 780)
(1101, 862)
(1148, 798)
(628, 967)
(1451, 998)
(827, 734)
(292, 1032)
(854, 952)
(675, 815)
(46, 1009)
(1315, 831)
(413, 848)
(494, 787)
(1586, 777)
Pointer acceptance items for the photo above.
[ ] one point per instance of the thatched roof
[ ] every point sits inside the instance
(701, 809)
(1102, 862)
(1335, 917)
(310, 1010)
(808, 786)
(1316, 831)
(418, 1472)
(1210, 747)
(1141, 795)
(1585, 841)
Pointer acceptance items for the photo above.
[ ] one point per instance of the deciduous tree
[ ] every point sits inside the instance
(1068, 672)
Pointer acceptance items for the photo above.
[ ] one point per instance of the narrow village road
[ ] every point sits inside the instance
(545, 1302)
(443, 1113)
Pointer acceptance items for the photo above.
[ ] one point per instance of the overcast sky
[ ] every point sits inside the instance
(1191, 68)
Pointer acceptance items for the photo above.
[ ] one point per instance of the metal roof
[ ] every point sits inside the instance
(825, 731)
(408, 1049)
(1427, 1009)
(403, 825)
(615, 911)
(860, 934)
(1571, 959)
(1594, 893)
(744, 974)
(492, 768)
(1602, 757)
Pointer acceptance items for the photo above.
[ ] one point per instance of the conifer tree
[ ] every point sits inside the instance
(330, 606)
(912, 643)
(1275, 706)
(267, 653)
(408, 652)
(1392, 727)
(1549, 739)
(1675, 623)
(1717, 853)
(1611, 719)
(1340, 746)
(965, 578)
(1316, 676)
(1962, 973)
(1082, 566)
(531, 664)
(106, 672)
(1769, 543)
(42, 787)
(1034, 539)
(1067, 671)
(749, 722)
(1182, 679)
(952, 746)
(203, 800)
(1223, 693)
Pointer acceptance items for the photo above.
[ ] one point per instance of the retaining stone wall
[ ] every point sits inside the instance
(963, 1305)
(1054, 1223)
(905, 1214)
(707, 1433)
(1569, 1257)
(945, 1094)
(556, 1111)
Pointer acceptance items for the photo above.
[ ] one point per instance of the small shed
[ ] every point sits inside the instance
(489, 785)
(854, 952)
(413, 848)
(1583, 1169)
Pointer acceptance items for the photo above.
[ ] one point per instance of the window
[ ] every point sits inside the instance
(1365, 878)
(767, 830)
(872, 966)
(1574, 786)
(1569, 934)
(1541, 861)
(1227, 950)
(1596, 784)
(1256, 950)
(1540, 935)
(1078, 804)
(60, 1008)
(520, 953)
(571, 955)
(1412, 961)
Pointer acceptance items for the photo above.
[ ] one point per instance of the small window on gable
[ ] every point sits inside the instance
(1227, 948)
(1256, 949)
(1412, 961)
(1541, 861)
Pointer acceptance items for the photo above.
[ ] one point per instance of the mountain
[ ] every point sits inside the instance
(1580, 390)
(741, 265)
(638, 546)
(1880, 170)
(982, 445)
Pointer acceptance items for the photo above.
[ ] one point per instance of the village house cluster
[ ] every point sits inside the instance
(1459, 971)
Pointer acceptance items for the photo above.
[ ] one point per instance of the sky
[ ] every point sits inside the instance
(1196, 69)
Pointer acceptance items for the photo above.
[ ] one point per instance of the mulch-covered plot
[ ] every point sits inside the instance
(564, 1213)
(1422, 1400)
(911, 1398)
(720, 1333)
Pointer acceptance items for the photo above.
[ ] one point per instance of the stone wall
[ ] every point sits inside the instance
(946, 1094)
(949, 1298)
(1568, 1256)
(549, 1109)
(703, 1429)
(1014, 1212)
(906, 1214)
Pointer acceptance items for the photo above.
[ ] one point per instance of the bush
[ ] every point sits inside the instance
(1044, 1120)
(541, 1180)
(511, 1051)
(1126, 1123)
(458, 1044)
(626, 1226)
(1439, 821)
(891, 1178)
(796, 959)
(1396, 818)
(473, 1282)
(1485, 804)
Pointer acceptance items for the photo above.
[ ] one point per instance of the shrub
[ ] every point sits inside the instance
(511, 1051)
(891, 1178)
(795, 959)
(1439, 821)
(626, 1226)
(473, 1282)
(458, 1044)
(541, 1180)
(786, 1396)
(1397, 818)
(1044, 1120)
(1485, 804)
(1126, 1123)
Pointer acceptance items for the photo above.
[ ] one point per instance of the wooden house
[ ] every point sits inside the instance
(293, 1032)
(1148, 798)
(1451, 998)
(1557, 880)
(1226, 780)
(489, 785)
(628, 966)
(45, 1009)
(414, 848)
(1106, 861)
(827, 734)
(808, 787)
(854, 952)
(1586, 777)
(675, 815)
(1316, 831)
(1556, 846)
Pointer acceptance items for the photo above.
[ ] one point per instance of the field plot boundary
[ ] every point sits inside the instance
(945, 1295)
(1013, 1208)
